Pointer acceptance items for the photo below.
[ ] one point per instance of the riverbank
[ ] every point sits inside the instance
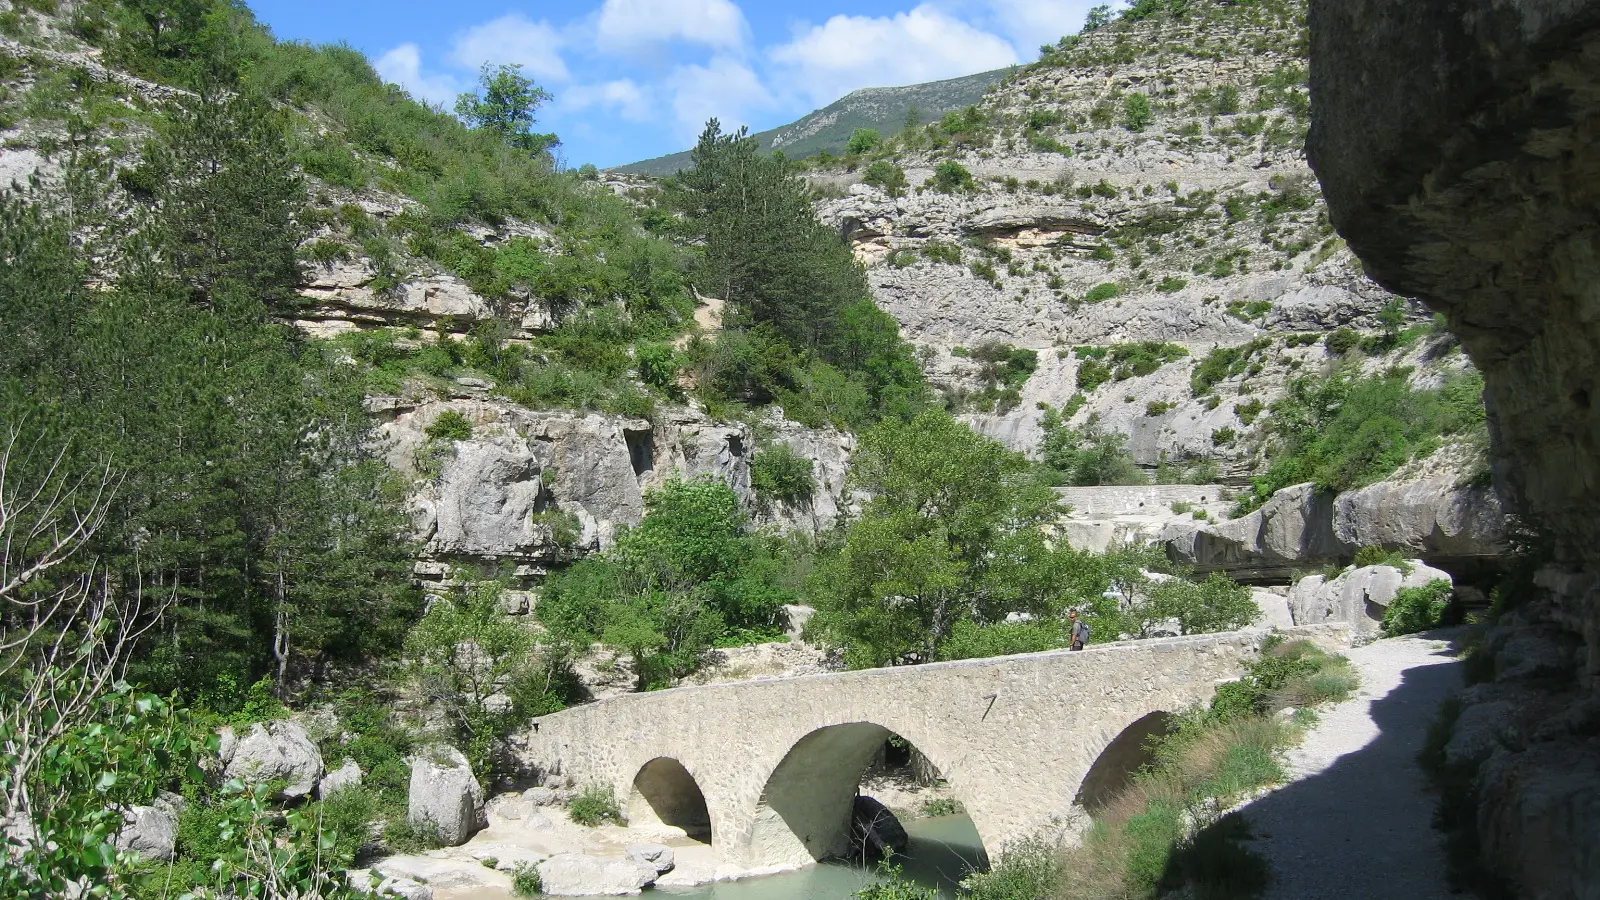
(525, 828)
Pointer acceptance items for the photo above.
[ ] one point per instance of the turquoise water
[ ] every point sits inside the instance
(942, 851)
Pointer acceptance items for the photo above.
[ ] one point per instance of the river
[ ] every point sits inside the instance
(942, 851)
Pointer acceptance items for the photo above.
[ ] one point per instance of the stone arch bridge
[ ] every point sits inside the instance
(770, 767)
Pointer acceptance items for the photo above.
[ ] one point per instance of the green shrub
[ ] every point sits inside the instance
(1342, 341)
(1089, 455)
(892, 884)
(1004, 365)
(1350, 430)
(942, 806)
(1377, 556)
(658, 365)
(1136, 112)
(1091, 374)
(526, 881)
(1158, 407)
(1031, 868)
(780, 475)
(950, 177)
(1247, 412)
(1101, 292)
(862, 140)
(1172, 284)
(1225, 362)
(595, 804)
(450, 426)
(941, 252)
(1418, 608)
(886, 176)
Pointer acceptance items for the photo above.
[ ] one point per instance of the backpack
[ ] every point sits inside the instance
(1087, 631)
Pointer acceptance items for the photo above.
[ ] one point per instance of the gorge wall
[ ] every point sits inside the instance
(1456, 142)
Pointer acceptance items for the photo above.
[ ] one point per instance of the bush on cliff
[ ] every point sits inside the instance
(686, 579)
(1349, 430)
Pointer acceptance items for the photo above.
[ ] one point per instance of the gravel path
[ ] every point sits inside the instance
(1356, 819)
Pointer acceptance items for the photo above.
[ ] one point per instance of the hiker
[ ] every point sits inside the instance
(1080, 631)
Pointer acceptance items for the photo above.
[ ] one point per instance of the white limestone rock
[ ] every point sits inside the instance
(150, 832)
(272, 751)
(658, 856)
(580, 875)
(1357, 596)
(347, 775)
(445, 796)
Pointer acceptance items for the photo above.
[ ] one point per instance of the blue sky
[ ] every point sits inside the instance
(634, 79)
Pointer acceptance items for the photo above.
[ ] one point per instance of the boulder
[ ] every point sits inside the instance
(272, 751)
(347, 775)
(579, 875)
(658, 856)
(445, 796)
(1479, 731)
(150, 832)
(1357, 596)
(1293, 528)
(547, 796)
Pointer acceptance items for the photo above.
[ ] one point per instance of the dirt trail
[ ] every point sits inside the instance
(1356, 819)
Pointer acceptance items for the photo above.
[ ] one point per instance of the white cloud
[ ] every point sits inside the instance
(622, 96)
(724, 88)
(850, 52)
(1031, 23)
(629, 24)
(513, 38)
(403, 66)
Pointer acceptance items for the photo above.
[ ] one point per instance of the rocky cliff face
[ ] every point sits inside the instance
(537, 488)
(1457, 145)
(1200, 226)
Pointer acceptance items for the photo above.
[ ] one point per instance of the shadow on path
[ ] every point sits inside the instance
(1358, 822)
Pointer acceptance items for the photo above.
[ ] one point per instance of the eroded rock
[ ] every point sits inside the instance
(1357, 596)
(580, 875)
(272, 751)
(445, 796)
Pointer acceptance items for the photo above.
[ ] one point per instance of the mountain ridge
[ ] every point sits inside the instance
(828, 129)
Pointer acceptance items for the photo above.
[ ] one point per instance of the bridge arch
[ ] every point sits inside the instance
(803, 814)
(1121, 759)
(664, 793)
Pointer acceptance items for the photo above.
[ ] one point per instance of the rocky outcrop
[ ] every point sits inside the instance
(540, 486)
(1358, 596)
(272, 752)
(445, 796)
(1293, 530)
(580, 875)
(1435, 519)
(1455, 142)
